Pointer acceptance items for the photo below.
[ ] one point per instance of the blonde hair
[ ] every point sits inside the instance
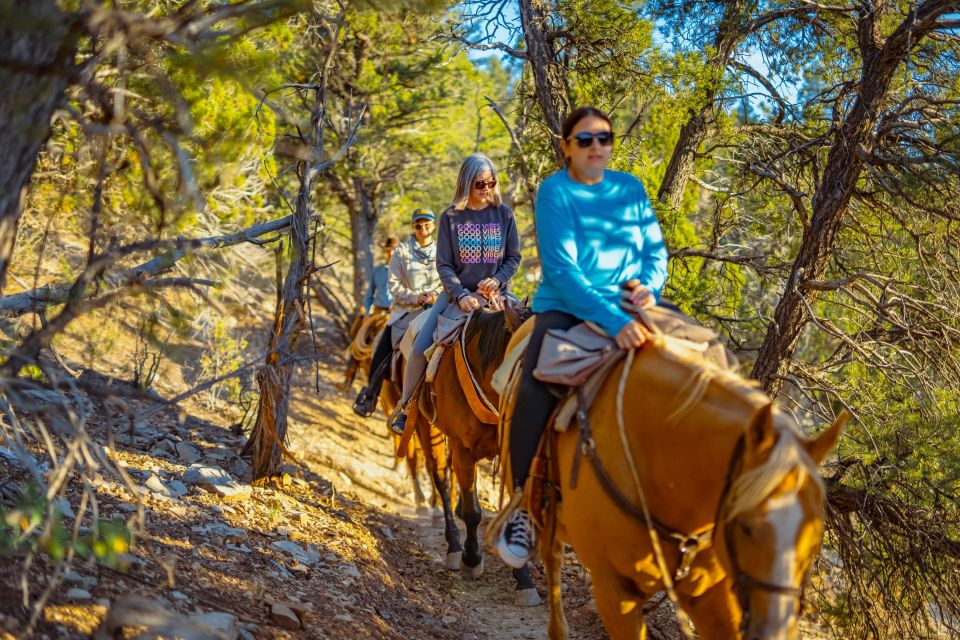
(472, 167)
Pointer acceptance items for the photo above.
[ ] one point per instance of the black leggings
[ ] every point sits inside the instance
(534, 403)
(380, 362)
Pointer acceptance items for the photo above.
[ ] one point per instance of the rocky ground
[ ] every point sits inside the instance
(335, 551)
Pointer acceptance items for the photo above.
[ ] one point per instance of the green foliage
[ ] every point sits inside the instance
(36, 525)
(223, 354)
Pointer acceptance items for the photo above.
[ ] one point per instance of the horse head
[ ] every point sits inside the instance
(771, 520)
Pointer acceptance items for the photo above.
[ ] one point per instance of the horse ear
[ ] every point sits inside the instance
(512, 317)
(761, 434)
(819, 447)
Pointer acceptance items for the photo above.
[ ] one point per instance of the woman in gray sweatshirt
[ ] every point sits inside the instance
(478, 250)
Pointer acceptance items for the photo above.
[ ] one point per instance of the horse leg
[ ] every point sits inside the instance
(620, 607)
(350, 374)
(465, 469)
(525, 594)
(551, 552)
(435, 458)
(413, 463)
(715, 613)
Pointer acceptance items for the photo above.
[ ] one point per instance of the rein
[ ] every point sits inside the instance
(689, 545)
(481, 406)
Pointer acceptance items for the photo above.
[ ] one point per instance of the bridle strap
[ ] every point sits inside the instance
(689, 545)
(744, 581)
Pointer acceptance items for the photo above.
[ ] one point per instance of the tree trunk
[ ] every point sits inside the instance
(692, 135)
(549, 78)
(269, 433)
(35, 48)
(840, 175)
(698, 126)
(364, 218)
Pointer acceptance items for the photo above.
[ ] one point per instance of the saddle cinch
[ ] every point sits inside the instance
(577, 361)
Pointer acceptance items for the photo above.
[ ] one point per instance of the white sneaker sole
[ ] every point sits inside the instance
(509, 558)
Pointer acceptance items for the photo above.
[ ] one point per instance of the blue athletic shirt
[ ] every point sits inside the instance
(593, 238)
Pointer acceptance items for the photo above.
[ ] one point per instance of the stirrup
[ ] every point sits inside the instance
(364, 405)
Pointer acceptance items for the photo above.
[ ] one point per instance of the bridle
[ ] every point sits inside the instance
(744, 582)
(689, 545)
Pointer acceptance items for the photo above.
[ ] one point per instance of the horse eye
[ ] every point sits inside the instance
(745, 528)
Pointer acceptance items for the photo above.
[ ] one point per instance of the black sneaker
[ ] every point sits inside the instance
(399, 423)
(517, 539)
(364, 405)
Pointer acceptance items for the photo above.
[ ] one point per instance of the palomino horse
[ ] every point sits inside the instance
(484, 343)
(682, 470)
(364, 333)
(360, 353)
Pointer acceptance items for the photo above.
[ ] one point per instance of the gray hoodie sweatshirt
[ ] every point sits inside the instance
(413, 271)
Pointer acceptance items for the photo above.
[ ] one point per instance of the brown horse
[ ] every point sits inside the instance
(470, 439)
(678, 455)
(429, 443)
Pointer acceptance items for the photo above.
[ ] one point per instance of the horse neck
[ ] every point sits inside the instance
(484, 365)
(687, 456)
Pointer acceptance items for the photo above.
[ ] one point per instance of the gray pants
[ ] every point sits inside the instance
(417, 365)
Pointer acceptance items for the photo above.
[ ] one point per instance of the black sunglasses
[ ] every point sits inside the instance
(489, 184)
(584, 139)
(422, 225)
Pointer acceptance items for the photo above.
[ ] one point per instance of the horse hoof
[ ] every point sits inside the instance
(526, 598)
(473, 572)
(453, 561)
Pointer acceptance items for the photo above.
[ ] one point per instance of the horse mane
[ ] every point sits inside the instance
(702, 373)
(490, 330)
(754, 486)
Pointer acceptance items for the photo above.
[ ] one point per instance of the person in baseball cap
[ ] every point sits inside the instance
(422, 214)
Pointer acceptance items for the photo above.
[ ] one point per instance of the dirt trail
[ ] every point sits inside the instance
(355, 455)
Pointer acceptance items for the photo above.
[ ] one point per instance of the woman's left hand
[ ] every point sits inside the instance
(488, 287)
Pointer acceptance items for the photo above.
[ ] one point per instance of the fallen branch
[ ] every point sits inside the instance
(39, 299)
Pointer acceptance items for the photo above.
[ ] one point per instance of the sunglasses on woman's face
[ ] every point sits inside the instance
(421, 225)
(489, 184)
(584, 139)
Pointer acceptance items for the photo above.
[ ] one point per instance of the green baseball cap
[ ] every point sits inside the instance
(422, 214)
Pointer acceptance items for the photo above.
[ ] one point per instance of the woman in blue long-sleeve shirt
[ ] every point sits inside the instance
(595, 231)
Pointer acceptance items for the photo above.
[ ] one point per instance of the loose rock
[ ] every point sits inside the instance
(284, 617)
(216, 480)
(85, 582)
(220, 533)
(156, 485)
(177, 488)
(186, 452)
(298, 553)
(225, 624)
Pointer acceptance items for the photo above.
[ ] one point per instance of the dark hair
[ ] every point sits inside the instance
(579, 114)
(576, 116)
